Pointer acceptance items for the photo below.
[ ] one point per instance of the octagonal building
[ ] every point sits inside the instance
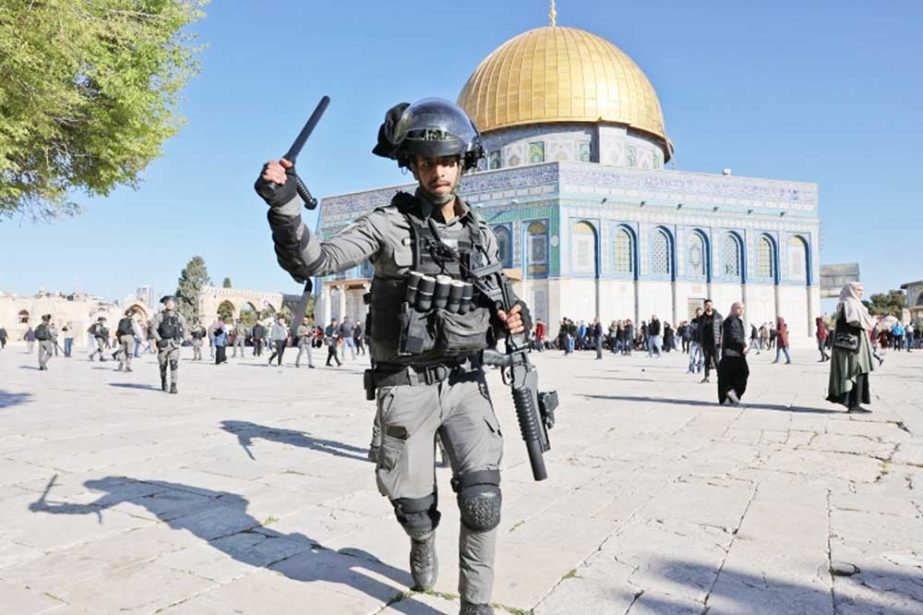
(590, 222)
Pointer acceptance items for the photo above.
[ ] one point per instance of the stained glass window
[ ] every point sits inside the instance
(765, 265)
(504, 245)
(730, 256)
(660, 253)
(495, 159)
(538, 247)
(624, 261)
(696, 255)
(536, 152)
(584, 151)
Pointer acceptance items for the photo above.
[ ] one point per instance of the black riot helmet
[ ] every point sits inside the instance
(430, 127)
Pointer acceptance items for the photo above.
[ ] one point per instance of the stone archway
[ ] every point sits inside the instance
(212, 297)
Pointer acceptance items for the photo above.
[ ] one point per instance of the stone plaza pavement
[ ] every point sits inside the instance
(250, 492)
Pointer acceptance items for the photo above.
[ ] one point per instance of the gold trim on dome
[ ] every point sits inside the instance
(559, 74)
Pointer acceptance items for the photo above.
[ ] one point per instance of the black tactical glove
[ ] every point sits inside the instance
(277, 195)
(525, 314)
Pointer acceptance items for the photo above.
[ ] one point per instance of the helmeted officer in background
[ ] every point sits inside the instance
(46, 341)
(169, 329)
(427, 327)
(125, 333)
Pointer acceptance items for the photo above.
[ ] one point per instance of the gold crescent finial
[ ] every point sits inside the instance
(553, 15)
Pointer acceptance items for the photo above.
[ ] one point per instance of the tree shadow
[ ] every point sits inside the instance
(221, 520)
(698, 402)
(246, 432)
(870, 590)
(8, 399)
(134, 385)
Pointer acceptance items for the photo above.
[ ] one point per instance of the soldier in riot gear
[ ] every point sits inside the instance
(169, 329)
(427, 327)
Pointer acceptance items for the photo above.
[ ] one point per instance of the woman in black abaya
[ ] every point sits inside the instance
(733, 370)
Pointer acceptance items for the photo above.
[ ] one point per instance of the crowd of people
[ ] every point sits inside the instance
(707, 338)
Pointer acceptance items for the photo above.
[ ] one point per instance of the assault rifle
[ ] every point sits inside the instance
(534, 409)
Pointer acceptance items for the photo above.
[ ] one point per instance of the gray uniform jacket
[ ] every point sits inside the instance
(382, 236)
(158, 319)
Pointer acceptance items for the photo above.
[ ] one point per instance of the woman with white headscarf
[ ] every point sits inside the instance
(733, 371)
(851, 362)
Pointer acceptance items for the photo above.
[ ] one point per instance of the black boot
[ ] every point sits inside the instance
(424, 566)
(467, 608)
(163, 382)
(173, 388)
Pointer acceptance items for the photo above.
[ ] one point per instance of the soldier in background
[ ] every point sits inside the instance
(305, 334)
(197, 333)
(168, 327)
(240, 337)
(125, 332)
(46, 342)
(100, 334)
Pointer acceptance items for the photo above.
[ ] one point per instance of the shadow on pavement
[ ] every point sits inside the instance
(246, 432)
(698, 402)
(8, 399)
(133, 385)
(220, 519)
(734, 591)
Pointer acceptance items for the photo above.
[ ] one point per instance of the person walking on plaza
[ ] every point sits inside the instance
(304, 333)
(240, 337)
(539, 335)
(331, 337)
(45, 342)
(851, 360)
(125, 331)
(821, 335)
(278, 334)
(359, 339)
(653, 336)
(754, 339)
(710, 337)
(782, 340)
(197, 334)
(29, 338)
(597, 338)
(258, 334)
(68, 341)
(669, 338)
(220, 335)
(733, 370)
(3, 337)
(100, 334)
(420, 393)
(764, 336)
(169, 329)
(908, 337)
(695, 346)
(346, 337)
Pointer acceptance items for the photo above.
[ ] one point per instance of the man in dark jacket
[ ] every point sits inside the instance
(259, 332)
(710, 337)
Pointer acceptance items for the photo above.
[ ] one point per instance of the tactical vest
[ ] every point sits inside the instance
(125, 327)
(439, 334)
(169, 327)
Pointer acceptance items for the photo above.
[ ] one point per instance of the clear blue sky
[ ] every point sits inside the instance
(829, 91)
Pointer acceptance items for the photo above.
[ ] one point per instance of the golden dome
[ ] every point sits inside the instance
(557, 74)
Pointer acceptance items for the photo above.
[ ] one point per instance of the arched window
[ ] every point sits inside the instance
(730, 256)
(697, 256)
(226, 311)
(624, 252)
(661, 257)
(765, 259)
(537, 248)
(584, 248)
(23, 317)
(504, 245)
(797, 259)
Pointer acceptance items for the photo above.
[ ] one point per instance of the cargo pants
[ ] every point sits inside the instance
(460, 410)
(168, 357)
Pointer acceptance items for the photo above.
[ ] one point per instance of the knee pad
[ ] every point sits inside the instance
(418, 516)
(174, 365)
(479, 499)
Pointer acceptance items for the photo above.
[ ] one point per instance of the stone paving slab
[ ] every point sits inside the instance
(250, 492)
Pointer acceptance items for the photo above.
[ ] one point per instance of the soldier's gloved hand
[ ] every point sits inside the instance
(273, 184)
(512, 320)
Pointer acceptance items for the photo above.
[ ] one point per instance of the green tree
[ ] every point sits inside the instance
(88, 96)
(226, 283)
(226, 311)
(893, 303)
(192, 279)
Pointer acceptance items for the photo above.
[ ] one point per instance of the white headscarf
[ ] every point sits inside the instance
(855, 312)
